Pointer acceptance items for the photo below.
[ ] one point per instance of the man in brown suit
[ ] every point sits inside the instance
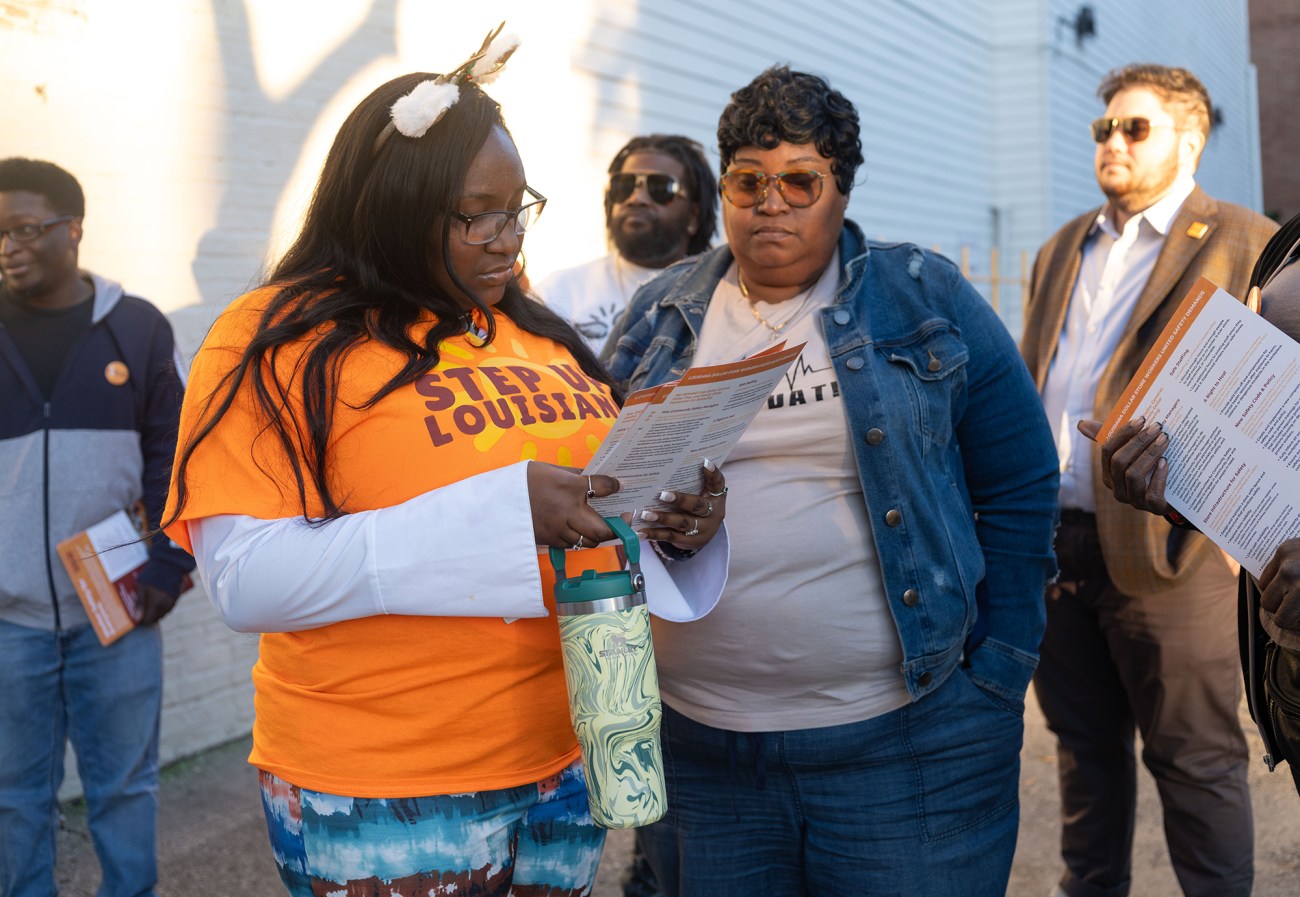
(1141, 623)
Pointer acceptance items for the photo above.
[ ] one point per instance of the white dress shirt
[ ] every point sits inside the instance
(1113, 271)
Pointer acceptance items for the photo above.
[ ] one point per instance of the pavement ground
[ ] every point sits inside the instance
(212, 836)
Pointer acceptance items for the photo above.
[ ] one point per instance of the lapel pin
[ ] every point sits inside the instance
(1197, 229)
(116, 373)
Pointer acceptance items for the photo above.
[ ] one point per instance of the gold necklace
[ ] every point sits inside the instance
(775, 328)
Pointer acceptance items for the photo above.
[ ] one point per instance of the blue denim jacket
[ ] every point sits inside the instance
(955, 456)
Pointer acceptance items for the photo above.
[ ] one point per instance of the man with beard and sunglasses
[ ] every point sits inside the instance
(1141, 623)
(659, 208)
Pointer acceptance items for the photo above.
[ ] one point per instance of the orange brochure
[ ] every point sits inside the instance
(102, 561)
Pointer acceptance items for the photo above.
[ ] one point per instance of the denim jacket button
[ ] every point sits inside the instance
(841, 316)
(893, 517)
(911, 597)
(875, 436)
(855, 363)
(924, 679)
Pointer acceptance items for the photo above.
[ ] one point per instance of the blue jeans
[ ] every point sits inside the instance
(918, 802)
(56, 686)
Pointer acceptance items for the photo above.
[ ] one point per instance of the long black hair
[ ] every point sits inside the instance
(361, 270)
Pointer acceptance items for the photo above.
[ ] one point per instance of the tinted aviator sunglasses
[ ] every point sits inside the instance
(799, 187)
(662, 188)
(1135, 128)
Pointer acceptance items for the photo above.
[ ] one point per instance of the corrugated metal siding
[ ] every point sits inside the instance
(919, 74)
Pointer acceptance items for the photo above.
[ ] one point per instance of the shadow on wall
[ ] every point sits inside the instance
(264, 139)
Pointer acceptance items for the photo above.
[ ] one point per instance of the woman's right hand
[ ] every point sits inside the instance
(562, 518)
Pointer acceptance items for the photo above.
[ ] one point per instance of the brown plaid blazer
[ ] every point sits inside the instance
(1144, 554)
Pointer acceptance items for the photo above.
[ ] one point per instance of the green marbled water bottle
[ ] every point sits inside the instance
(609, 667)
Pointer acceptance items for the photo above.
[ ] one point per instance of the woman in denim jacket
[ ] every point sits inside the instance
(849, 719)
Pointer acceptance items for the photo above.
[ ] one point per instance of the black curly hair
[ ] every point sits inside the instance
(46, 179)
(781, 105)
(701, 186)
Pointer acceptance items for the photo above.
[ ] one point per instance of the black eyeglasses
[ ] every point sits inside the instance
(26, 233)
(800, 187)
(662, 188)
(484, 227)
(1134, 128)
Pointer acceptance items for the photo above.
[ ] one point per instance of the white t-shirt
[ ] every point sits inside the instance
(803, 636)
(591, 296)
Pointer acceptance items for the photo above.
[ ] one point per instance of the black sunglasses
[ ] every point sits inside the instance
(662, 188)
(1134, 128)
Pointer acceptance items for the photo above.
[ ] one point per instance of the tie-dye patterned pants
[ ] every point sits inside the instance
(530, 841)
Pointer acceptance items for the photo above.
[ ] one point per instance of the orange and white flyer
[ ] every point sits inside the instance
(1225, 384)
(664, 433)
(102, 561)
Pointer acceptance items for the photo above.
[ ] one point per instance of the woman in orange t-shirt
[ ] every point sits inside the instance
(373, 447)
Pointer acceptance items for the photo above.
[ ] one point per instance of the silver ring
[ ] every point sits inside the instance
(578, 544)
(591, 493)
(708, 511)
(695, 527)
(719, 494)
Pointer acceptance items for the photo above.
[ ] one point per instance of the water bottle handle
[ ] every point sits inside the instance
(557, 561)
(631, 544)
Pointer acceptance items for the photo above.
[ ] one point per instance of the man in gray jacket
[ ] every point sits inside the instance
(90, 398)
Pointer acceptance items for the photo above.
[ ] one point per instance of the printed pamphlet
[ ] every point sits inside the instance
(1225, 384)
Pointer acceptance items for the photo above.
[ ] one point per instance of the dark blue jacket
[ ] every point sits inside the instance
(92, 449)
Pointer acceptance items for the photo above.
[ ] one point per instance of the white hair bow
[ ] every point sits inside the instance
(414, 114)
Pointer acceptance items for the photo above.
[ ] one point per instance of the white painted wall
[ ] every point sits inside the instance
(198, 126)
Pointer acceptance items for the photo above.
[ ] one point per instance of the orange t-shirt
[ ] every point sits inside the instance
(402, 706)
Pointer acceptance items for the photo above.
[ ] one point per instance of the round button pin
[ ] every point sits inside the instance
(117, 373)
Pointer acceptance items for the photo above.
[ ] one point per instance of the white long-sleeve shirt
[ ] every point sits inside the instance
(466, 549)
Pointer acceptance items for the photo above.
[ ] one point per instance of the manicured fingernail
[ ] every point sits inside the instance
(1138, 421)
(709, 465)
(651, 516)
(667, 496)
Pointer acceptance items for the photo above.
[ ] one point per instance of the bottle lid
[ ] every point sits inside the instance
(593, 586)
